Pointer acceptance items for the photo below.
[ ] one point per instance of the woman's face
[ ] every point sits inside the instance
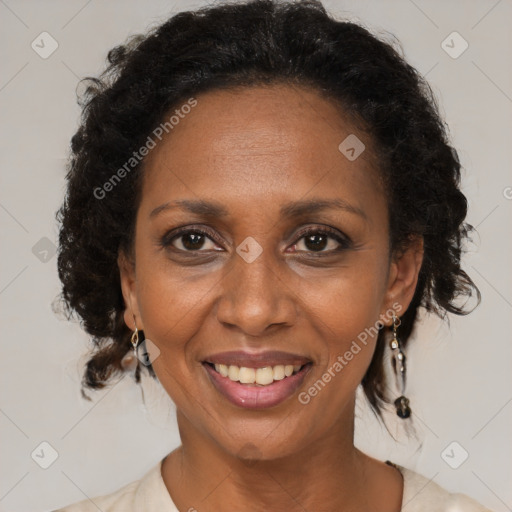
(255, 291)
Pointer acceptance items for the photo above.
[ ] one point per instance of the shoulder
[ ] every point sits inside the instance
(421, 493)
(148, 494)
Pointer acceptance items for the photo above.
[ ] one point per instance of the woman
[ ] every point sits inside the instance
(260, 199)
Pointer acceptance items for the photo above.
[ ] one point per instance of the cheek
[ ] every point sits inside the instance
(345, 311)
(349, 301)
(169, 311)
(170, 308)
(173, 310)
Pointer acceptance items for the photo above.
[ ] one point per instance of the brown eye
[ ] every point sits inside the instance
(190, 240)
(321, 240)
(316, 242)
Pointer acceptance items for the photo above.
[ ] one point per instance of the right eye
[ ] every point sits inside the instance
(189, 240)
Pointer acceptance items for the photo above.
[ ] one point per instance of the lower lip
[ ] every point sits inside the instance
(257, 397)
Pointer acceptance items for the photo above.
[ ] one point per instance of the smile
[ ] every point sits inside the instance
(259, 376)
(259, 385)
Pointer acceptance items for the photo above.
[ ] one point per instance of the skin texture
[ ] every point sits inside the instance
(253, 150)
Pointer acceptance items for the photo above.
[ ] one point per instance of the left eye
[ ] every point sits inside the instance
(319, 241)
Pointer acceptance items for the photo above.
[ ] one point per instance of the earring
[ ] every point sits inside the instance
(398, 361)
(135, 339)
(130, 361)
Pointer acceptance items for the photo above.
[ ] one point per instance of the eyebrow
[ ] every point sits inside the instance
(308, 206)
(288, 210)
(200, 207)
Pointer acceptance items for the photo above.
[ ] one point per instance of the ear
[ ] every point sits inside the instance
(128, 286)
(403, 277)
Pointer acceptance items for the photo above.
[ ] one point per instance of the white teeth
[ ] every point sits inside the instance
(247, 375)
(262, 376)
(233, 372)
(278, 372)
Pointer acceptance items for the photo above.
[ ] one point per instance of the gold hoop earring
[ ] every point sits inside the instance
(135, 340)
(130, 362)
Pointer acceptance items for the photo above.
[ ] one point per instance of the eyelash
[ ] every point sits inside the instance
(344, 241)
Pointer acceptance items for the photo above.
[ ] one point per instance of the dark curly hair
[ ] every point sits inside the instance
(244, 44)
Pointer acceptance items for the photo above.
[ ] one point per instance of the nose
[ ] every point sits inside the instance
(255, 297)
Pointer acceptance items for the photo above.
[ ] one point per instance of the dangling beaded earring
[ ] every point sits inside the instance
(398, 361)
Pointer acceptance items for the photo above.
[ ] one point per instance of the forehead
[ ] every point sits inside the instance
(272, 143)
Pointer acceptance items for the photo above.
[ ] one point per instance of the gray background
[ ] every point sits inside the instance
(459, 376)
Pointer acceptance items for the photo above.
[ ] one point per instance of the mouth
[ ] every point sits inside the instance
(255, 382)
(264, 376)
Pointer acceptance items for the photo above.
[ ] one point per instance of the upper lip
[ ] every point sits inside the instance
(256, 359)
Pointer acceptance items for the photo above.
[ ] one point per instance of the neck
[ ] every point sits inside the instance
(328, 474)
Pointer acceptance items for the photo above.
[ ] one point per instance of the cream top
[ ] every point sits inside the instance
(149, 494)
